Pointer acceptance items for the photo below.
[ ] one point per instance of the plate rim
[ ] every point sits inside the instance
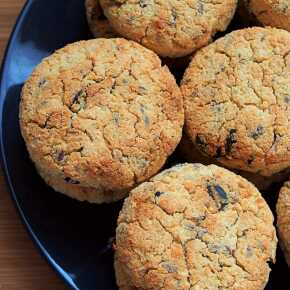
(3, 162)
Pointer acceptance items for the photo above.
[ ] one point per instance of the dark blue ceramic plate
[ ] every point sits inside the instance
(72, 236)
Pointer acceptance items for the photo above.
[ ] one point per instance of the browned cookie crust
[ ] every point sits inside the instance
(237, 102)
(194, 227)
(100, 116)
(283, 220)
(98, 23)
(190, 153)
(171, 28)
(275, 13)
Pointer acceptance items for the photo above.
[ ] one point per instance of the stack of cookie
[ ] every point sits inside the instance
(101, 117)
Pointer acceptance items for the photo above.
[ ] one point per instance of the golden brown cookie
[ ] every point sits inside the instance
(283, 220)
(99, 117)
(98, 23)
(190, 153)
(194, 227)
(237, 100)
(171, 28)
(275, 13)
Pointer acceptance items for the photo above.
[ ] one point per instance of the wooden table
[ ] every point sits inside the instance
(21, 265)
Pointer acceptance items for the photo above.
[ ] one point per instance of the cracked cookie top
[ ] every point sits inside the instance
(98, 23)
(283, 220)
(274, 13)
(101, 114)
(171, 28)
(195, 227)
(237, 100)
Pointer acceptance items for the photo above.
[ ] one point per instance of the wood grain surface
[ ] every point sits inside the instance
(21, 265)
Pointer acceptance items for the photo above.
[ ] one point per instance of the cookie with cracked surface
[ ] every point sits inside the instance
(237, 100)
(194, 227)
(99, 117)
(169, 27)
(190, 153)
(275, 13)
(283, 220)
(98, 23)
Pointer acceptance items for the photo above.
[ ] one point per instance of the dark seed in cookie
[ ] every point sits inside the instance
(231, 140)
(42, 82)
(218, 194)
(221, 192)
(200, 8)
(173, 17)
(209, 190)
(275, 137)
(144, 116)
(201, 233)
(71, 181)
(258, 132)
(142, 89)
(158, 193)
(143, 3)
(170, 268)
(76, 97)
(60, 156)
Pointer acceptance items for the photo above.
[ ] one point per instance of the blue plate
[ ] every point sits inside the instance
(73, 236)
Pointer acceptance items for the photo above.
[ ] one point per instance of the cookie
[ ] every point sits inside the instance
(99, 117)
(283, 220)
(194, 227)
(237, 100)
(189, 152)
(98, 23)
(266, 12)
(170, 28)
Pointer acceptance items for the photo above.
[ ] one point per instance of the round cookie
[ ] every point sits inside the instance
(266, 12)
(283, 220)
(98, 23)
(189, 152)
(171, 28)
(237, 100)
(99, 117)
(194, 227)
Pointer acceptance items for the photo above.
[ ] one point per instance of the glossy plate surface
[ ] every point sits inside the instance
(73, 236)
